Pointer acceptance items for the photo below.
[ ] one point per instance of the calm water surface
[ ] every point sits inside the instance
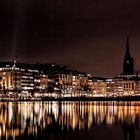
(70, 120)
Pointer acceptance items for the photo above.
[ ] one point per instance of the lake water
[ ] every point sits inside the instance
(70, 120)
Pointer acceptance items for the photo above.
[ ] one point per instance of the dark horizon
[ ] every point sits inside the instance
(89, 36)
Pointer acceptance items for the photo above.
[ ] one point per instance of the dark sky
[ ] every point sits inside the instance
(88, 35)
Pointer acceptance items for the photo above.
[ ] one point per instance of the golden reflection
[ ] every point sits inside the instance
(34, 118)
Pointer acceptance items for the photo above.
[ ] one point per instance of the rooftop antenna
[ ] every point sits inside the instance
(15, 61)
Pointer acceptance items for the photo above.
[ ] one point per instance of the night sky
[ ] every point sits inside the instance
(88, 35)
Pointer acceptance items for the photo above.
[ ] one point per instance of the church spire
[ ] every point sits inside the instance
(127, 48)
(128, 64)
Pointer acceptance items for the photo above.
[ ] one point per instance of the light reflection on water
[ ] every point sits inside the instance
(41, 120)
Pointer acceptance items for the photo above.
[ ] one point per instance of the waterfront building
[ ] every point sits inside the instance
(114, 87)
(70, 83)
(41, 83)
(83, 81)
(11, 78)
(129, 87)
(17, 77)
(99, 87)
(137, 87)
(64, 82)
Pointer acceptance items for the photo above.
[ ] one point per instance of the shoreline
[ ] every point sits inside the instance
(126, 98)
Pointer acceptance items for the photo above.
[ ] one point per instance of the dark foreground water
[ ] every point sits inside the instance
(70, 120)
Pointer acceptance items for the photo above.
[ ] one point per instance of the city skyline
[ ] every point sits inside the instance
(127, 67)
(83, 35)
(70, 69)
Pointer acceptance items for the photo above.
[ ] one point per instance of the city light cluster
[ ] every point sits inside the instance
(24, 81)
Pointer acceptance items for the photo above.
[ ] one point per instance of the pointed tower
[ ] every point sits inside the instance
(128, 63)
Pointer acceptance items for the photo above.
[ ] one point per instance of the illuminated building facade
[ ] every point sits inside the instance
(18, 78)
(99, 87)
(11, 78)
(69, 84)
(131, 84)
(40, 82)
(63, 84)
(137, 87)
(107, 87)
(129, 87)
(83, 78)
(114, 87)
